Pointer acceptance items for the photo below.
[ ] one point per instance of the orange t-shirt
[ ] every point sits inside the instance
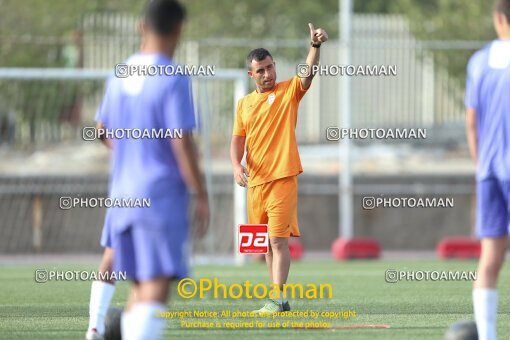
(268, 120)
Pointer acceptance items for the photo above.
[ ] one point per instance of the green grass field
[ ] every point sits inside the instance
(413, 310)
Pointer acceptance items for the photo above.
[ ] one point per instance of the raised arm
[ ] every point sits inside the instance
(317, 37)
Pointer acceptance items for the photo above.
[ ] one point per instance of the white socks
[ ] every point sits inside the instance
(282, 299)
(100, 297)
(125, 323)
(485, 303)
(143, 323)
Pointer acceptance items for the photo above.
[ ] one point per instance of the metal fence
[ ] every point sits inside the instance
(36, 111)
(31, 218)
(427, 91)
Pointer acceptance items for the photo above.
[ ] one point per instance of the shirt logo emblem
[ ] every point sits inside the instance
(271, 98)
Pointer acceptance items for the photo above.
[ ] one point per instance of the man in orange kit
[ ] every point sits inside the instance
(265, 123)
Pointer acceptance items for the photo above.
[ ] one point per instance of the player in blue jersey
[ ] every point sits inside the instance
(150, 243)
(488, 133)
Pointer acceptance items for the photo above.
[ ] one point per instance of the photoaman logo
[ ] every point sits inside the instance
(253, 238)
(188, 288)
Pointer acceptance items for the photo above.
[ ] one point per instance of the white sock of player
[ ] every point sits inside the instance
(144, 322)
(100, 297)
(485, 303)
(125, 322)
(282, 299)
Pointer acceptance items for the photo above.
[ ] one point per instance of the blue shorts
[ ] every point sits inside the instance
(147, 253)
(493, 197)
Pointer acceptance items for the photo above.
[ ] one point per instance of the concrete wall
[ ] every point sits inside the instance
(78, 230)
(395, 228)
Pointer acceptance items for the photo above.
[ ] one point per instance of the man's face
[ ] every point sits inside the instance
(263, 73)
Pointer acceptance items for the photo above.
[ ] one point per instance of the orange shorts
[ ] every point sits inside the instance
(275, 204)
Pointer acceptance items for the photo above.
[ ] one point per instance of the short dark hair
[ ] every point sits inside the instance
(257, 54)
(163, 16)
(503, 7)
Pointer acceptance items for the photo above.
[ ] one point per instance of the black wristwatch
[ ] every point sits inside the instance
(318, 45)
